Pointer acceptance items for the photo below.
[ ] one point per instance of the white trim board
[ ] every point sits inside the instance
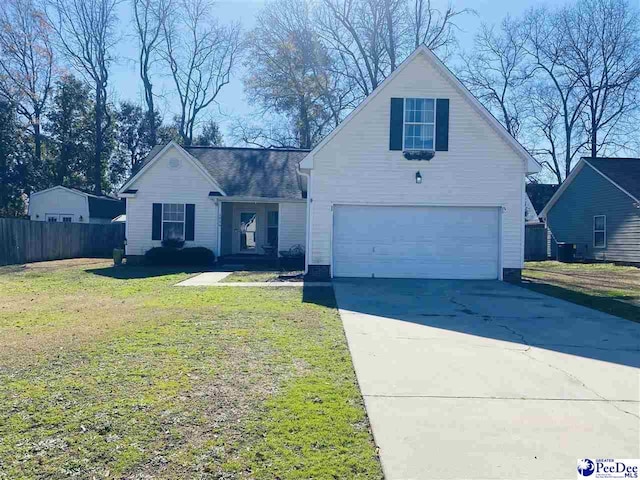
(61, 187)
(275, 200)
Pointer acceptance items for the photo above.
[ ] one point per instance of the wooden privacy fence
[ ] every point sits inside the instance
(535, 242)
(23, 241)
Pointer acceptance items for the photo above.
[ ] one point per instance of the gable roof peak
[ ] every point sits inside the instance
(622, 173)
(531, 164)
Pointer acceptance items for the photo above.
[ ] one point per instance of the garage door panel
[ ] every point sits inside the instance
(415, 242)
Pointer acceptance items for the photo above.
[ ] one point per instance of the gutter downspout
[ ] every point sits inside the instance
(218, 228)
(308, 225)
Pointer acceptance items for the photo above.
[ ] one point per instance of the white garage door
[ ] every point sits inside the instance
(415, 242)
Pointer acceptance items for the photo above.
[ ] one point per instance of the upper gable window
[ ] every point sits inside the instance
(419, 123)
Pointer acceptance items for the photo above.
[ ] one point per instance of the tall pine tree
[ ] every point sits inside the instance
(11, 198)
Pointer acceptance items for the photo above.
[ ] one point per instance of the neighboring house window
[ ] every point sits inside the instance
(173, 221)
(66, 219)
(272, 228)
(419, 123)
(52, 218)
(599, 231)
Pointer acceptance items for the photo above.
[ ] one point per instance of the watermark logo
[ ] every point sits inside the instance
(608, 468)
(586, 467)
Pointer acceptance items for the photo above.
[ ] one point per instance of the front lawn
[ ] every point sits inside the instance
(115, 373)
(603, 286)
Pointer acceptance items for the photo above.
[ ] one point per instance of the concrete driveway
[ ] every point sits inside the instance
(484, 380)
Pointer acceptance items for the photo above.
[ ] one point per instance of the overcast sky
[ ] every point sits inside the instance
(126, 85)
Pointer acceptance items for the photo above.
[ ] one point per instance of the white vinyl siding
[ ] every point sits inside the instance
(479, 169)
(272, 228)
(415, 242)
(58, 203)
(292, 225)
(163, 184)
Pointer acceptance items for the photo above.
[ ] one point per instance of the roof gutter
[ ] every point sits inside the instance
(307, 240)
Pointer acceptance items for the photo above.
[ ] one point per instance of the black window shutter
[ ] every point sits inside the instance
(395, 126)
(156, 222)
(442, 124)
(190, 222)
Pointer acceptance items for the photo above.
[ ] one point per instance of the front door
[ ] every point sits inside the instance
(248, 231)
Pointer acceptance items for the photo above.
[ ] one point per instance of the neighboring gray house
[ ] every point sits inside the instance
(598, 209)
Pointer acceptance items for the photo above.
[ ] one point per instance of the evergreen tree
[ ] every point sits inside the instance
(134, 139)
(70, 123)
(210, 135)
(11, 198)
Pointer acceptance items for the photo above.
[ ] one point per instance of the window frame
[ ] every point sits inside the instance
(184, 221)
(52, 217)
(275, 226)
(404, 122)
(603, 231)
(64, 217)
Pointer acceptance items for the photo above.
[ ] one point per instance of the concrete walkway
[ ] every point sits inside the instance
(487, 380)
(204, 279)
(214, 279)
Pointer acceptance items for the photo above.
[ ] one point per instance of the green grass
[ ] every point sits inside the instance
(602, 286)
(115, 373)
(263, 276)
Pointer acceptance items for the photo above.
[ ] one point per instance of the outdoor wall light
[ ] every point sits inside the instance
(418, 177)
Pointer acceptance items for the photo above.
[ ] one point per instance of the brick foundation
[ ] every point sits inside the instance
(513, 275)
(319, 272)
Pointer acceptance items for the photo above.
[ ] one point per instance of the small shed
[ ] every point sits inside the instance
(71, 205)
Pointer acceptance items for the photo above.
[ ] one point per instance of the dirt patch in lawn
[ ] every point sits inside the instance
(610, 288)
(602, 279)
(265, 276)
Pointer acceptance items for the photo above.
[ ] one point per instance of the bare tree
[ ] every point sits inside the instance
(372, 37)
(149, 18)
(602, 51)
(272, 132)
(200, 55)
(26, 63)
(587, 62)
(432, 27)
(86, 32)
(354, 29)
(555, 90)
(547, 139)
(292, 71)
(497, 71)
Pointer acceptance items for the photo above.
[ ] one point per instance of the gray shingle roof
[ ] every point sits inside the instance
(540, 194)
(254, 172)
(623, 171)
(103, 206)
